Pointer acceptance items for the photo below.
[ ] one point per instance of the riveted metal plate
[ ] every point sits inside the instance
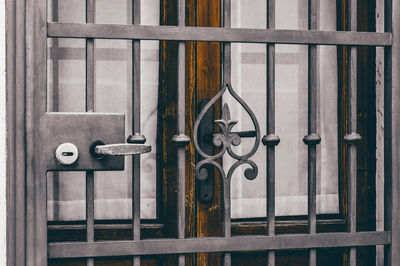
(81, 129)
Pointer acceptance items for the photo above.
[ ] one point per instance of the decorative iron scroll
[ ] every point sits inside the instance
(226, 139)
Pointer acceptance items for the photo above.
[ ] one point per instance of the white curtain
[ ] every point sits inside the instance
(113, 85)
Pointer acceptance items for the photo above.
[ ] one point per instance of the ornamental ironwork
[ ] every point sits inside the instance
(226, 139)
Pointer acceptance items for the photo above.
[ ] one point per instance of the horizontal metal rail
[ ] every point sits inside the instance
(213, 34)
(216, 244)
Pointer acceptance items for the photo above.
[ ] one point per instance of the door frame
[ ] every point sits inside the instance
(26, 50)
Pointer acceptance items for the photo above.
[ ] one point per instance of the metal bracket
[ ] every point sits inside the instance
(206, 131)
(81, 129)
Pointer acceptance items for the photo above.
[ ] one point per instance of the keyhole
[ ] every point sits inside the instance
(66, 153)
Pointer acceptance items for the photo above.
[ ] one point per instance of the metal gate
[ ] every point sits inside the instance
(46, 131)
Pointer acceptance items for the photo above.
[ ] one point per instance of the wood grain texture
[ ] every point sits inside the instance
(208, 55)
(202, 81)
(167, 123)
(366, 125)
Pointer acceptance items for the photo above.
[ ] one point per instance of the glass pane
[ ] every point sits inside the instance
(292, 14)
(289, 14)
(149, 99)
(249, 81)
(66, 11)
(113, 75)
(249, 14)
(113, 190)
(66, 75)
(66, 196)
(113, 12)
(291, 125)
(291, 85)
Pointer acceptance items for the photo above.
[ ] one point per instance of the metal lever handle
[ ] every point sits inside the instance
(121, 149)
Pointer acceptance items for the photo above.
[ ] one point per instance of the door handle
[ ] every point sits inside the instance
(121, 149)
(98, 149)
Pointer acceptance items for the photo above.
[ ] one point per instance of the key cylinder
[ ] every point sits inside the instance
(66, 154)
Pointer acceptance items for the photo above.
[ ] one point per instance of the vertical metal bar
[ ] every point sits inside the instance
(312, 139)
(352, 137)
(392, 133)
(352, 165)
(270, 140)
(90, 14)
(227, 46)
(227, 217)
(180, 138)
(90, 210)
(55, 56)
(227, 80)
(90, 83)
(136, 130)
(55, 105)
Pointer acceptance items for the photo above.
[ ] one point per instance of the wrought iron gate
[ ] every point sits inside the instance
(45, 132)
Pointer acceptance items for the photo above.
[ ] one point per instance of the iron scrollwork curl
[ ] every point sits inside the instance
(226, 139)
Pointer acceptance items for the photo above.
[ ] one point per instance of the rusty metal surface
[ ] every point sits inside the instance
(82, 129)
(122, 149)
